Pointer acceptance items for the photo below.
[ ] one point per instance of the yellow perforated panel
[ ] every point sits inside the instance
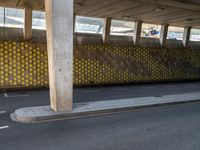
(24, 64)
(104, 64)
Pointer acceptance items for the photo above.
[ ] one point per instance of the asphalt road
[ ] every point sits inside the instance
(175, 128)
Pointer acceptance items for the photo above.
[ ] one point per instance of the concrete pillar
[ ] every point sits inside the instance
(27, 31)
(137, 32)
(59, 14)
(163, 35)
(186, 36)
(106, 31)
(74, 23)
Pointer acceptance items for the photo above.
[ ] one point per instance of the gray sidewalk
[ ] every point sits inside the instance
(88, 109)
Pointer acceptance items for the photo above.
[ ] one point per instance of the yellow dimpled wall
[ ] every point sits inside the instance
(106, 64)
(25, 64)
(22, 65)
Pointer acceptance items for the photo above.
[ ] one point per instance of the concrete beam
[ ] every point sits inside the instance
(137, 32)
(59, 14)
(193, 5)
(186, 36)
(27, 31)
(106, 31)
(163, 35)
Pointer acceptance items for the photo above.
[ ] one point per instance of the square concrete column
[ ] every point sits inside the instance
(137, 32)
(27, 31)
(163, 35)
(106, 31)
(74, 23)
(59, 14)
(186, 36)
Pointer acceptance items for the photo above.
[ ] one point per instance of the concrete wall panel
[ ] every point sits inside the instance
(25, 64)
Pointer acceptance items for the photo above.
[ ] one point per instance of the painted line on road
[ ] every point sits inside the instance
(93, 91)
(4, 127)
(2, 112)
(5, 95)
(122, 89)
(149, 87)
(13, 96)
(171, 86)
(191, 85)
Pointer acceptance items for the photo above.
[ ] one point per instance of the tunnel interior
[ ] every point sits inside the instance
(112, 44)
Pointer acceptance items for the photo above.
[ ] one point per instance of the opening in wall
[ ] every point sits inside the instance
(12, 17)
(175, 33)
(150, 30)
(122, 28)
(195, 35)
(89, 25)
(2, 20)
(39, 20)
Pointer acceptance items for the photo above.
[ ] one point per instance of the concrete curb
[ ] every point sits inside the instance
(90, 109)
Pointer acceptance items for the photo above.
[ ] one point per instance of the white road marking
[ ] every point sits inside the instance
(4, 127)
(122, 89)
(5, 95)
(93, 91)
(149, 87)
(13, 96)
(2, 112)
(171, 86)
(191, 85)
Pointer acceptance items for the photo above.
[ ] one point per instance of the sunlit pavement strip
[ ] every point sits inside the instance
(4, 127)
(13, 96)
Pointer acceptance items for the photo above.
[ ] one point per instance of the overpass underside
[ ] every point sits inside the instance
(30, 60)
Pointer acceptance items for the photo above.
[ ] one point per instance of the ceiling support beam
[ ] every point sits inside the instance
(106, 31)
(190, 5)
(163, 35)
(137, 32)
(186, 36)
(59, 15)
(27, 31)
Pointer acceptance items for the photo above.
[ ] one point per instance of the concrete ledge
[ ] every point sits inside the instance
(44, 113)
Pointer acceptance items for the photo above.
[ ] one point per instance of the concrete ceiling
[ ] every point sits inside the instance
(174, 12)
